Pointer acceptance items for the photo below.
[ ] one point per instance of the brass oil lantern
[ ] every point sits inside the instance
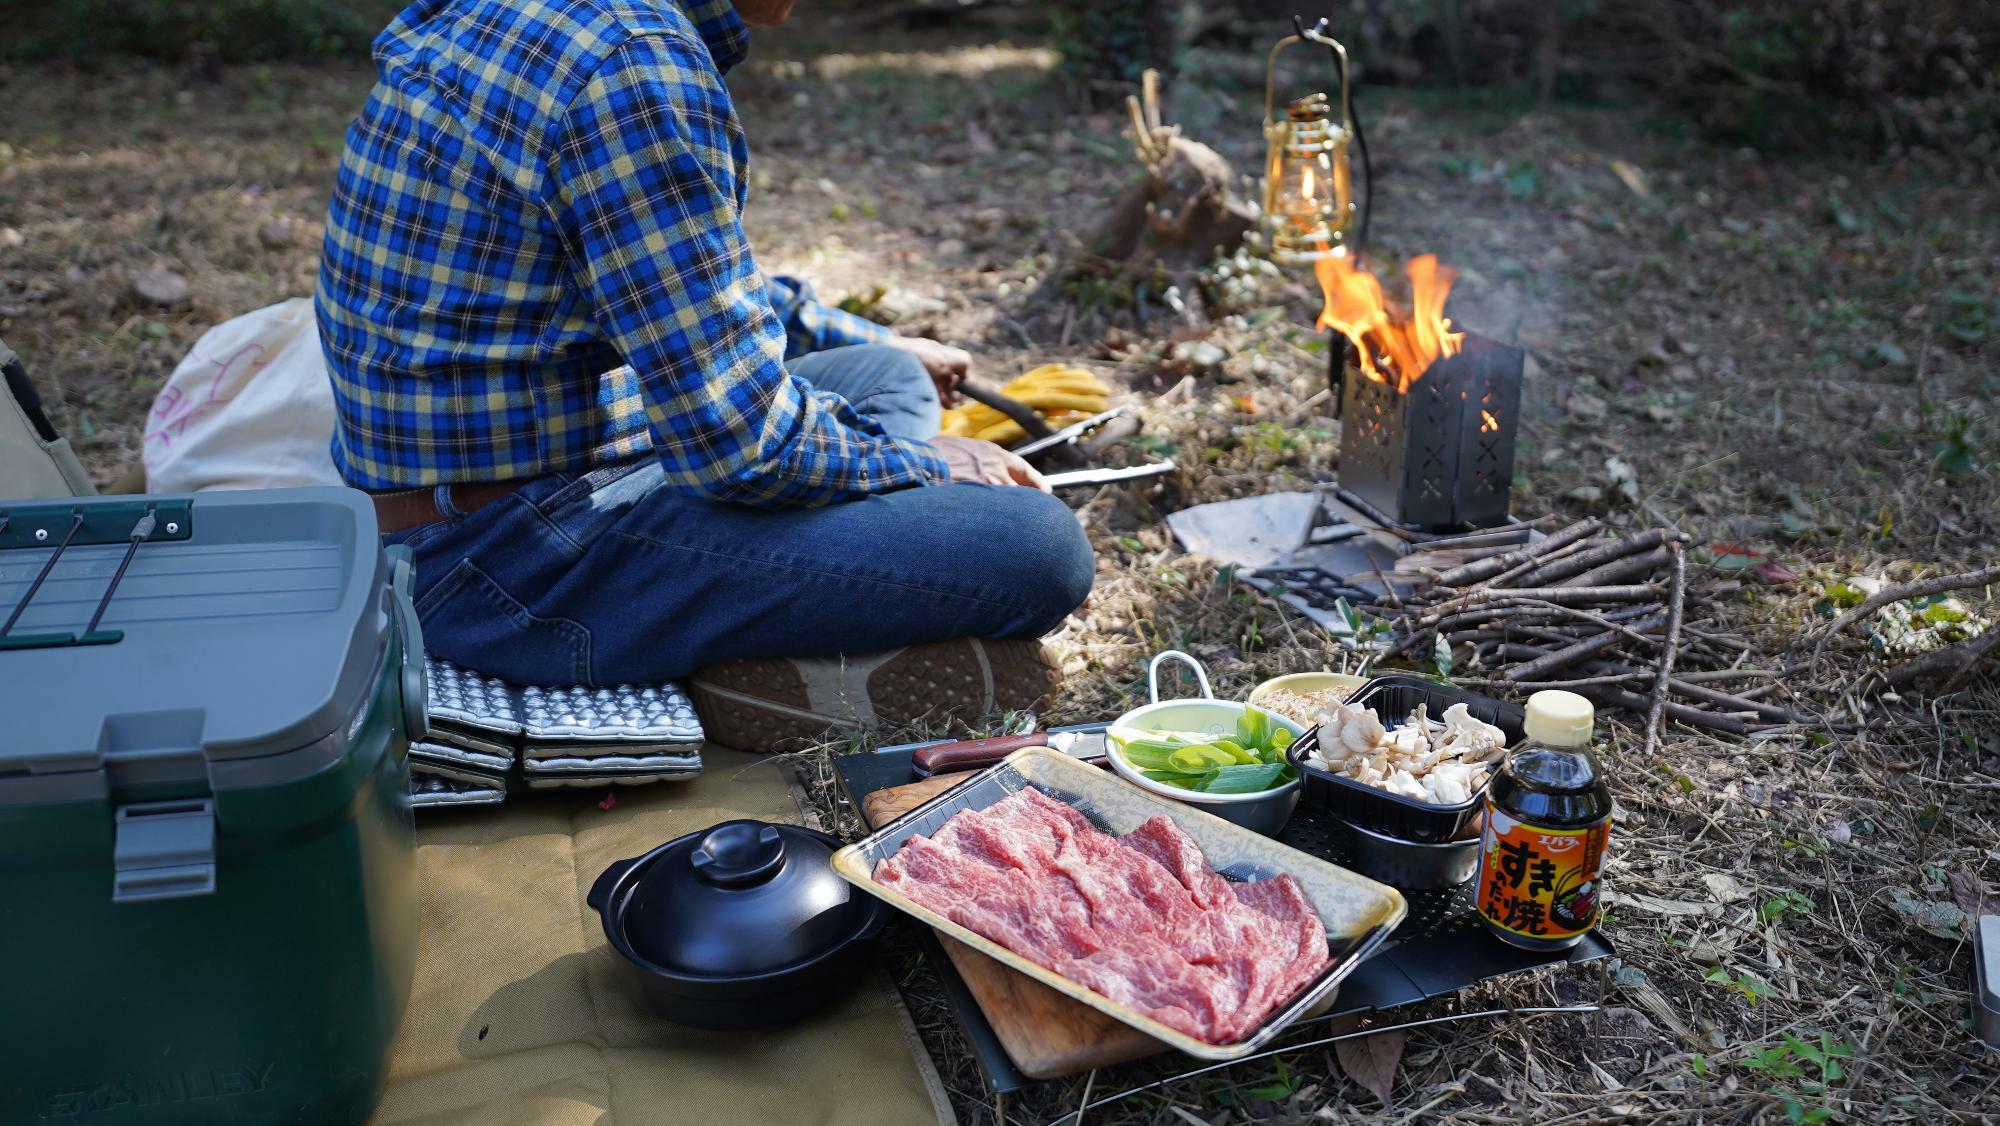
(1309, 207)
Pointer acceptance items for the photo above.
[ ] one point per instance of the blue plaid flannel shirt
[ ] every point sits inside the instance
(534, 263)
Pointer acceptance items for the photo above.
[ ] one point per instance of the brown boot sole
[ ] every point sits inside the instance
(786, 703)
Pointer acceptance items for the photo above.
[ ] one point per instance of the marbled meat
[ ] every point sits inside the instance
(1141, 919)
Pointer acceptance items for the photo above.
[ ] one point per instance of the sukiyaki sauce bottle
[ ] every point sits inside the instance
(1548, 822)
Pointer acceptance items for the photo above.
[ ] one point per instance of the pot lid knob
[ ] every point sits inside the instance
(739, 853)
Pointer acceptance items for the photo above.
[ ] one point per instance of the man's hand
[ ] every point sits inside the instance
(763, 13)
(946, 364)
(971, 459)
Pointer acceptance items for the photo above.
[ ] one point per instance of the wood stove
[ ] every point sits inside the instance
(1439, 456)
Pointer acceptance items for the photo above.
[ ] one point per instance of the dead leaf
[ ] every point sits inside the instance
(1971, 894)
(1604, 1077)
(1654, 904)
(1199, 354)
(1727, 888)
(1728, 556)
(1371, 1061)
(1774, 572)
(1945, 920)
(1623, 476)
(161, 287)
(1586, 405)
(281, 232)
(1631, 177)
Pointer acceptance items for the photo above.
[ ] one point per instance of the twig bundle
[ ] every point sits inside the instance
(1608, 616)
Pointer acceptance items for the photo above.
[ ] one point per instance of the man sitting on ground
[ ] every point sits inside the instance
(618, 452)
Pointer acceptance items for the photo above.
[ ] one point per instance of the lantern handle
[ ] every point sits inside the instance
(1349, 119)
(1304, 34)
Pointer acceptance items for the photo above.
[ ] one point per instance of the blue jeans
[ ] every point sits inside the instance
(606, 576)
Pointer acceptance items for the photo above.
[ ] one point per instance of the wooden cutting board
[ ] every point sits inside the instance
(1047, 1034)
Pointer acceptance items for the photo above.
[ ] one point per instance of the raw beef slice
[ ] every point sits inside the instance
(1142, 920)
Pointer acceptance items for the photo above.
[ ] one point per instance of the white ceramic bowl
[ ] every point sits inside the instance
(1265, 811)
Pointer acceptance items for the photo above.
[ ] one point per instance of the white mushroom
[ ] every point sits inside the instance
(1451, 782)
(1466, 733)
(1425, 759)
(1353, 730)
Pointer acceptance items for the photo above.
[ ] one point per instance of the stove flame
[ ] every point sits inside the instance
(1397, 352)
(1487, 423)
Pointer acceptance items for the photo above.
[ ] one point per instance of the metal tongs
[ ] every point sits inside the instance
(1071, 437)
(1081, 442)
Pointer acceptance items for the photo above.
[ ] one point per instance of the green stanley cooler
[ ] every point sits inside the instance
(207, 897)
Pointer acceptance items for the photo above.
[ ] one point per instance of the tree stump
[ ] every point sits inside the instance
(1181, 216)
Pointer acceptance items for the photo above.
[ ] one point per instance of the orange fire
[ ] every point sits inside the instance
(1396, 352)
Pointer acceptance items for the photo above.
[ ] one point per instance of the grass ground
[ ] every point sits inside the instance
(1797, 356)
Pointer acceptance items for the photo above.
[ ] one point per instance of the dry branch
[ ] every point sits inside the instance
(1487, 568)
(1557, 570)
(1695, 717)
(1670, 650)
(1562, 595)
(1563, 658)
(1564, 552)
(1955, 660)
(1620, 570)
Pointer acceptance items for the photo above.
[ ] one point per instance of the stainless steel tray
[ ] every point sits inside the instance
(1358, 913)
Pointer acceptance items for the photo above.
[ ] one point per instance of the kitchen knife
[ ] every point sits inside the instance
(971, 754)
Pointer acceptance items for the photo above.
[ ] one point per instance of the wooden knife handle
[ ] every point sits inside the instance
(971, 754)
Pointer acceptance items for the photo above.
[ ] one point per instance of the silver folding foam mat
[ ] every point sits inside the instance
(434, 786)
(573, 720)
(624, 766)
(574, 736)
(473, 701)
(579, 717)
(448, 754)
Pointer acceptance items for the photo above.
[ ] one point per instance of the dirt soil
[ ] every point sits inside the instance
(1794, 357)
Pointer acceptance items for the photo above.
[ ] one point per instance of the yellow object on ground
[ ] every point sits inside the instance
(518, 1015)
(1056, 391)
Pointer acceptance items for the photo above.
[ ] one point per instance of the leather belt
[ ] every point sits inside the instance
(413, 508)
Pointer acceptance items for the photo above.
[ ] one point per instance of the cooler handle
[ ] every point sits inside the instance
(163, 850)
(416, 673)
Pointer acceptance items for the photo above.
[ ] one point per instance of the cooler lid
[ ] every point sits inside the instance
(254, 631)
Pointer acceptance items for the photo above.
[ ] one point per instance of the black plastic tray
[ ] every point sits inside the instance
(1394, 697)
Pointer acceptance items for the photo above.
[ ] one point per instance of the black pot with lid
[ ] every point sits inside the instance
(740, 925)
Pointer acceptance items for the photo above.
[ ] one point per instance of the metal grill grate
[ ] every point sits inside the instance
(1313, 830)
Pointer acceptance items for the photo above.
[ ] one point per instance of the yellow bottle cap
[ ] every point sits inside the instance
(1560, 719)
